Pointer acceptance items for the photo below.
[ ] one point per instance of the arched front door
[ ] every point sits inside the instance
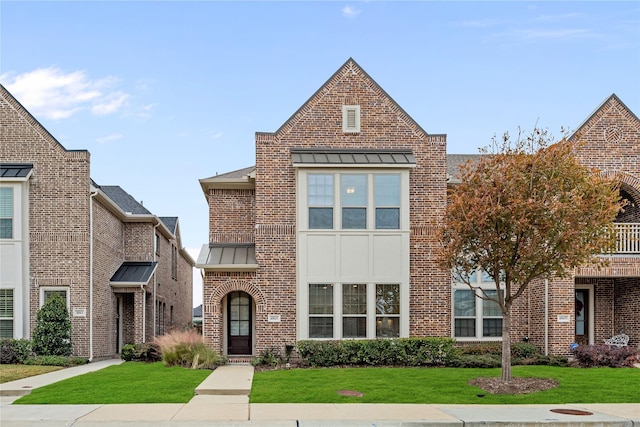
(239, 323)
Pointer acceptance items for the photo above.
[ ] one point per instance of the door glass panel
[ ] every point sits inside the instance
(244, 328)
(234, 328)
(244, 312)
(580, 312)
(235, 312)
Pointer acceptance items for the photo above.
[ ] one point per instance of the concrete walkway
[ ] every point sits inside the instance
(223, 400)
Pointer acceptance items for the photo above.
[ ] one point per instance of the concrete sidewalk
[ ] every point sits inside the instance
(223, 400)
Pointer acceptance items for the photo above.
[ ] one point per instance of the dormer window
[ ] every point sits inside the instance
(351, 118)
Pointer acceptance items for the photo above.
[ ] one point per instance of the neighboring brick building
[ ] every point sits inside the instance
(332, 235)
(121, 269)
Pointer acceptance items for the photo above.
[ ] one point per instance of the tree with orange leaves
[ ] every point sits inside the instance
(527, 210)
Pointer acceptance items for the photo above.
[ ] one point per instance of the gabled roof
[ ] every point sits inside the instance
(351, 66)
(610, 100)
(26, 115)
(238, 179)
(171, 222)
(124, 200)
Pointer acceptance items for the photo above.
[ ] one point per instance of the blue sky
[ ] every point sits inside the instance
(165, 93)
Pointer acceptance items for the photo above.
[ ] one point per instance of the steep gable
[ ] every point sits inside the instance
(610, 138)
(350, 85)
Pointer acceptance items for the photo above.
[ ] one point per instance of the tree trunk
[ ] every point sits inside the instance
(506, 346)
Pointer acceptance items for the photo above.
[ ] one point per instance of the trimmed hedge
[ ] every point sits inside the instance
(14, 351)
(429, 351)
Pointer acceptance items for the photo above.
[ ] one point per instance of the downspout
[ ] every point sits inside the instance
(546, 317)
(155, 281)
(92, 194)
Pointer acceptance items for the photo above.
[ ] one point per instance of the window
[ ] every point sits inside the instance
(475, 317)
(387, 201)
(6, 313)
(174, 262)
(6, 213)
(320, 193)
(355, 201)
(387, 311)
(46, 293)
(157, 244)
(354, 311)
(320, 311)
(363, 310)
(351, 118)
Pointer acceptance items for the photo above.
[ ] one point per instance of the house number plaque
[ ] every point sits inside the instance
(274, 318)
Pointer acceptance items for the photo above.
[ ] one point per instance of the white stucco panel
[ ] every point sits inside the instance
(388, 259)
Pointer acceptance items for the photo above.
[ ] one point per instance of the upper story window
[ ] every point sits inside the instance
(6, 213)
(320, 201)
(362, 200)
(473, 316)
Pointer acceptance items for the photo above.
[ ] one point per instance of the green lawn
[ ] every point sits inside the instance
(442, 385)
(129, 382)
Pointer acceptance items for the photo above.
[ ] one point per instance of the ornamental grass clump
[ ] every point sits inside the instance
(186, 349)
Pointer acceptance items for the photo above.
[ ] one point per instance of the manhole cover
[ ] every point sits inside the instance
(350, 393)
(571, 412)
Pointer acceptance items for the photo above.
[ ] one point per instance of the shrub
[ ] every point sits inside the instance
(268, 357)
(147, 352)
(524, 350)
(52, 335)
(428, 351)
(603, 355)
(476, 361)
(14, 351)
(185, 348)
(49, 360)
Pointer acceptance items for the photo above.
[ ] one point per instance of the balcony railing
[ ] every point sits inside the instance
(628, 238)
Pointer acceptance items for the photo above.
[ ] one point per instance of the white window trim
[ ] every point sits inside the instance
(338, 313)
(13, 319)
(303, 199)
(56, 288)
(477, 288)
(346, 110)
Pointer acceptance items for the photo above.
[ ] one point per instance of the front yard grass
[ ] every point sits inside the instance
(129, 382)
(442, 385)
(17, 372)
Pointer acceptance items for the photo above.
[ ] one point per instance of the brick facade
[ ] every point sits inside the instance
(260, 205)
(60, 244)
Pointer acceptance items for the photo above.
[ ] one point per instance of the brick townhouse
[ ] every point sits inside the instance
(332, 235)
(121, 269)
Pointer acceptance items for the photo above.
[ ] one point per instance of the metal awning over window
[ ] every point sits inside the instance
(228, 257)
(313, 157)
(15, 171)
(133, 273)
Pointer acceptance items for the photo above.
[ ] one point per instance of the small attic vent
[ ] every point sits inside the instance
(351, 118)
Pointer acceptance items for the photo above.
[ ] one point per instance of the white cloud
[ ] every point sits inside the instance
(55, 94)
(217, 135)
(110, 104)
(109, 138)
(350, 11)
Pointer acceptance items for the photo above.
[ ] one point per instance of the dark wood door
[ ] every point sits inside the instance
(239, 314)
(582, 316)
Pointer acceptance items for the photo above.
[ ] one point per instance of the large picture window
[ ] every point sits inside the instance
(354, 196)
(473, 315)
(362, 310)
